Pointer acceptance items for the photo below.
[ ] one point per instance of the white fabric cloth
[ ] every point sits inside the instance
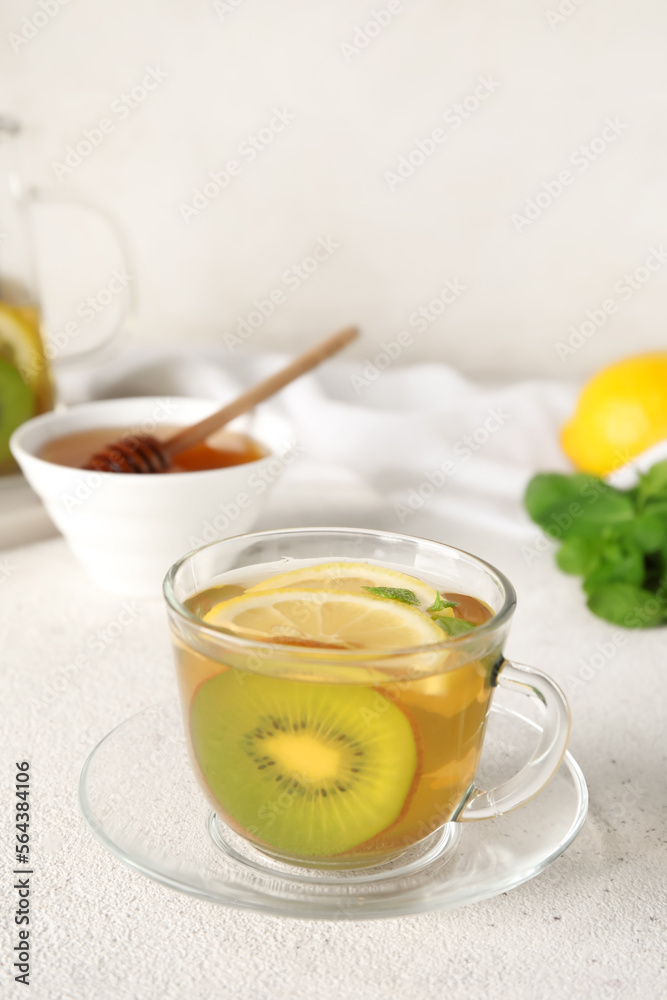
(407, 436)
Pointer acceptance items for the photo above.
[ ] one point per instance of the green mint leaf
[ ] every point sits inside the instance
(648, 531)
(395, 593)
(616, 540)
(454, 626)
(579, 554)
(619, 563)
(440, 605)
(652, 484)
(656, 508)
(627, 605)
(579, 504)
(607, 506)
(549, 495)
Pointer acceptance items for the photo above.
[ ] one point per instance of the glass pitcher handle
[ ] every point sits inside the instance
(129, 312)
(547, 756)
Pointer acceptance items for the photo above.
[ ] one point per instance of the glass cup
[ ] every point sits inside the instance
(342, 759)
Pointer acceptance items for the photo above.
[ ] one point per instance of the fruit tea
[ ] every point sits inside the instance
(26, 387)
(315, 749)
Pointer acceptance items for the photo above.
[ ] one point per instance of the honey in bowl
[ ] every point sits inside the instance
(223, 449)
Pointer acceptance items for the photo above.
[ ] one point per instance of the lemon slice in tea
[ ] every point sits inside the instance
(326, 617)
(350, 577)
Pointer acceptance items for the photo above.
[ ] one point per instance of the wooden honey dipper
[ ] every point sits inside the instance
(143, 453)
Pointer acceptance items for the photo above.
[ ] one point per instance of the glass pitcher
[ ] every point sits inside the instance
(26, 377)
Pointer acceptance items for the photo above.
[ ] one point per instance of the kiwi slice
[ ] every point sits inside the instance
(16, 405)
(309, 769)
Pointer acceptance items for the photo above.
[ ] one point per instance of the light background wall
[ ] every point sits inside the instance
(228, 65)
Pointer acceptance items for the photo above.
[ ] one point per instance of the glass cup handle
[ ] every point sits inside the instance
(548, 754)
(128, 318)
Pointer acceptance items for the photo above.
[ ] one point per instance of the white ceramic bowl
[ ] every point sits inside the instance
(127, 530)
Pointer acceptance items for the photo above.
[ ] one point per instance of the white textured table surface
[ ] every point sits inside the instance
(590, 926)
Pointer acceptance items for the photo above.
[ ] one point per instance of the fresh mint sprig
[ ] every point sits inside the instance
(396, 594)
(454, 626)
(615, 539)
(440, 605)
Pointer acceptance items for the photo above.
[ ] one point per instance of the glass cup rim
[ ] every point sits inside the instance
(496, 621)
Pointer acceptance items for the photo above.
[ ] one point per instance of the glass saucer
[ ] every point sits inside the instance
(141, 800)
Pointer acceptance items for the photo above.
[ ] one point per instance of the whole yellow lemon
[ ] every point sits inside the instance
(620, 412)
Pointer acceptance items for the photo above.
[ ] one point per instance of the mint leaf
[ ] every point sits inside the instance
(657, 508)
(607, 506)
(619, 563)
(652, 484)
(550, 497)
(648, 531)
(454, 626)
(395, 593)
(627, 605)
(440, 605)
(578, 504)
(615, 539)
(578, 554)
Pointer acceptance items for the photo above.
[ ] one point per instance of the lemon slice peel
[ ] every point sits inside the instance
(350, 621)
(348, 577)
